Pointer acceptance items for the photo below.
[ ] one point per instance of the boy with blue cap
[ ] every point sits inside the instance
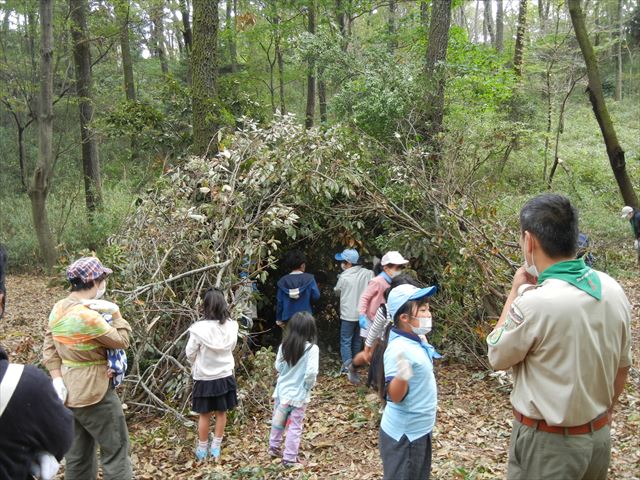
(410, 386)
(351, 283)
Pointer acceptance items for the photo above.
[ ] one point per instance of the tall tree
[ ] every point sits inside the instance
(186, 25)
(204, 64)
(341, 16)
(230, 26)
(322, 96)
(499, 25)
(123, 10)
(84, 90)
(618, 46)
(424, 13)
(596, 97)
(488, 19)
(311, 75)
(435, 71)
(43, 172)
(392, 26)
(541, 14)
(157, 35)
(520, 33)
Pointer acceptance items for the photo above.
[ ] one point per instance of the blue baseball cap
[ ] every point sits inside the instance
(403, 293)
(349, 255)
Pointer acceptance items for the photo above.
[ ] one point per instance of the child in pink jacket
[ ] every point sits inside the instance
(390, 266)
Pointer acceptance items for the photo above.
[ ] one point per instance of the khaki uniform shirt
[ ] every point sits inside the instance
(565, 348)
(86, 384)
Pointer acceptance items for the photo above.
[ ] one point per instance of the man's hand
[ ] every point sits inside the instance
(521, 277)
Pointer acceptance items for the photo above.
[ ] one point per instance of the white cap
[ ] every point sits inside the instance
(626, 211)
(393, 258)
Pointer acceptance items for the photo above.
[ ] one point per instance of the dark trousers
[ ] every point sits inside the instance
(102, 424)
(405, 460)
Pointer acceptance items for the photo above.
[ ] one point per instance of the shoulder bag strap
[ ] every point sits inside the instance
(9, 384)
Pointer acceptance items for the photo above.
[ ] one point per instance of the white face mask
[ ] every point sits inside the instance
(101, 290)
(395, 273)
(531, 269)
(343, 266)
(425, 325)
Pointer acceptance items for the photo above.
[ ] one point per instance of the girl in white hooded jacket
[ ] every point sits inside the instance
(210, 352)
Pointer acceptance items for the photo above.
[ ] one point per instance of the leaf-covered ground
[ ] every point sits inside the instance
(340, 437)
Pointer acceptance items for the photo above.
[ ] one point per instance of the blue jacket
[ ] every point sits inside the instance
(295, 292)
(295, 383)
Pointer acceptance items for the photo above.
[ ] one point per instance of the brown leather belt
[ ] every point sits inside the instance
(594, 425)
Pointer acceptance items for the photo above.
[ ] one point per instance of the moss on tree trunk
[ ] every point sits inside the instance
(204, 65)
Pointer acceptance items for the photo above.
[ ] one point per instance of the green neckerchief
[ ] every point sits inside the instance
(577, 274)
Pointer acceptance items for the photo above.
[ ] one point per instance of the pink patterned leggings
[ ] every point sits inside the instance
(294, 424)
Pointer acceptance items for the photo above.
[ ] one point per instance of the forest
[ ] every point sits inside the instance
(194, 143)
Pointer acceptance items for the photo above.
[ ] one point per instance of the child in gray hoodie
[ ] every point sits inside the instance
(351, 283)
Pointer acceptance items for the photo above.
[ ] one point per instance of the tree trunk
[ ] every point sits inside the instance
(435, 72)
(82, 60)
(618, 44)
(541, 15)
(499, 26)
(157, 16)
(280, 61)
(474, 38)
(44, 169)
(186, 25)
(424, 14)
(231, 34)
(322, 96)
(311, 77)
(392, 27)
(22, 156)
(204, 64)
(596, 97)
(521, 30)
(122, 17)
(176, 33)
(341, 16)
(488, 18)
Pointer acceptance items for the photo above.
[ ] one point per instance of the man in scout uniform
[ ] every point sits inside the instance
(565, 332)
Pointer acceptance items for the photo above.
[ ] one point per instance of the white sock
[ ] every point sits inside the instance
(202, 444)
(216, 442)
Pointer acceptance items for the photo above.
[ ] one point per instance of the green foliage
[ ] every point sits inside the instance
(379, 98)
(72, 230)
(479, 76)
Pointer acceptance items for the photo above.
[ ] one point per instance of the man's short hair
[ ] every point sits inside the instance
(554, 222)
(295, 259)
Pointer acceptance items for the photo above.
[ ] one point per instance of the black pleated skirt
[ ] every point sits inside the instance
(214, 395)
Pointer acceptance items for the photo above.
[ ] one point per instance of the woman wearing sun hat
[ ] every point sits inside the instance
(75, 353)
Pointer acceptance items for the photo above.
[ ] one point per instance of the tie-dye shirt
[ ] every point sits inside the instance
(76, 341)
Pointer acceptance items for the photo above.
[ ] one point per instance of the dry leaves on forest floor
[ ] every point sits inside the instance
(341, 426)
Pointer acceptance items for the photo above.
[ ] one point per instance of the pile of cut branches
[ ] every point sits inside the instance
(208, 220)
